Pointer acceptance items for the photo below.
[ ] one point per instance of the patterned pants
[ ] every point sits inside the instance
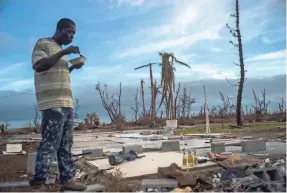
(57, 138)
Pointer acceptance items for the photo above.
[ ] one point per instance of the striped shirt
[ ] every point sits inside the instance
(52, 86)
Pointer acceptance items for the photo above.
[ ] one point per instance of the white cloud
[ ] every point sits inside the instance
(215, 49)
(185, 26)
(184, 41)
(18, 85)
(131, 2)
(203, 71)
(11, 68)
(188, 20)
(269, 56)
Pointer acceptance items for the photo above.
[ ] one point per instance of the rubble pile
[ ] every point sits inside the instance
(247, 174)
(251, 174)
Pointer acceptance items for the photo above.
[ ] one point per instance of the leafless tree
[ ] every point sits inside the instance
(281, 106)
(236, 33)
(36, 120)
(77, 108)
(110, 102)
(223, 109)
(184, 101)
(260, 105)
(153, 111)
(213, 111)
(119, 99)
(136, 106)
(189, 103)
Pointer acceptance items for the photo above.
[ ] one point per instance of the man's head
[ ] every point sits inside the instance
(66, 30)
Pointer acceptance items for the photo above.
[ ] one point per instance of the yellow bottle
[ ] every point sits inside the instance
(190, 159)
(184, 159)
(195, 158)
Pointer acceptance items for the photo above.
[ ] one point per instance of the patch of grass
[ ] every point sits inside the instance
(248, 128)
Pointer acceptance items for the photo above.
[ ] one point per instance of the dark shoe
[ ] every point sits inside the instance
(37, 182)
(75, 186)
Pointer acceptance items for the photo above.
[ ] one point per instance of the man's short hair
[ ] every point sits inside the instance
(64, 23)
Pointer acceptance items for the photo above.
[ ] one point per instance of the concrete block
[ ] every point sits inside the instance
(267, 174)
(217, 147)
(137, 148)
(170, 146)
(31, 163)
(253, 145)
(159, 184)
(94, 152)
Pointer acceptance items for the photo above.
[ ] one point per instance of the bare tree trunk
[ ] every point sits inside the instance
(246, 110)
(171, 103)
(237, 34)
(119, 99)
(281, 106)
(242, 71)
(77, 107)
(136, 107)
(143, 102)
(109, 103)
(175, 100)
(152, 118)
(184, 102)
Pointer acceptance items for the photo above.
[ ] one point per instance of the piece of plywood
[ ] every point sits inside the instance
(146, 165)
(14, 148)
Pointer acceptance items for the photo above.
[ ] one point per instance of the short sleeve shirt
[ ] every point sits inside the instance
(52, 86)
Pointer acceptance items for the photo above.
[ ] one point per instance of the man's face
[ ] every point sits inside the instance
(67, 34)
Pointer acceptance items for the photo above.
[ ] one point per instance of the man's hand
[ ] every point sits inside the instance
(76, 66)
(71, 49)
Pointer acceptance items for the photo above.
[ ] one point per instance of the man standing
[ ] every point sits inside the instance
(54, 98)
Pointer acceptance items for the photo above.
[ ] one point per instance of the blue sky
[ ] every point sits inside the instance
(118, 35)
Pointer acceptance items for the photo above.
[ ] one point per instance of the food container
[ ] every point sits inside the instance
(78, 60)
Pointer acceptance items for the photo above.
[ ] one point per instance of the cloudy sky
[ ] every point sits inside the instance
(118, 35)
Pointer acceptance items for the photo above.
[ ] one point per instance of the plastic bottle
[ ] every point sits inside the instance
(185, 159)
(195, 158)
(190, 159)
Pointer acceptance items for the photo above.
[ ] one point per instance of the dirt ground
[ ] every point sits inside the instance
(13, 168)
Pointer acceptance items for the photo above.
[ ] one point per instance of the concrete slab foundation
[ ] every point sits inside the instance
(148, 164)
(253, 145)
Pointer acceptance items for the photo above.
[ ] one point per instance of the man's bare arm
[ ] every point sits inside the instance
(47, 63)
